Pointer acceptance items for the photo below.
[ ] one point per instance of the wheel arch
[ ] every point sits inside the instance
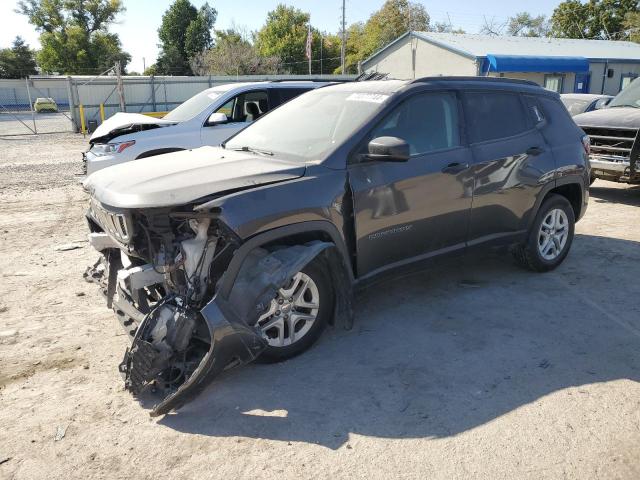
(336, 258)
(572, 188)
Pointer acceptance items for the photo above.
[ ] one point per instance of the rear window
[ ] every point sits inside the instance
(494, 115)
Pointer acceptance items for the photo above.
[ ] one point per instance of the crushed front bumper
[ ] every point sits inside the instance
(246, 288)
(233, 343)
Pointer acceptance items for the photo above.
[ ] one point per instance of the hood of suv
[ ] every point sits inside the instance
(182, 177)
(616, 117)
(125, 122)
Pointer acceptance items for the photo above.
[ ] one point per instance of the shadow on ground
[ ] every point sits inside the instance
(439, 353)
(605, 192)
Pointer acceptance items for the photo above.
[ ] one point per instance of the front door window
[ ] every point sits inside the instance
(246, 107)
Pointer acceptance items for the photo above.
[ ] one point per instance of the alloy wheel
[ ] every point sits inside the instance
(553, 234)
(291, 313)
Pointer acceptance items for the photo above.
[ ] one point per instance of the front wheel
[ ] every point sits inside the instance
(550, 237)
(298, 314)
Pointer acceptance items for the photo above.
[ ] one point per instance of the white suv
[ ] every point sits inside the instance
(208, 118)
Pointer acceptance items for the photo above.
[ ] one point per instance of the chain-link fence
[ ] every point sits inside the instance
(30, 106)
(61, 104)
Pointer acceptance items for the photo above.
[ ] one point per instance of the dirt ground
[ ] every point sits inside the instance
(475, 369)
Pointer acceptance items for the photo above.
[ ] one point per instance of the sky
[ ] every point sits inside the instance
(138, 25)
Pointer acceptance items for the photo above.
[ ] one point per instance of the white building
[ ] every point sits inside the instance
(559, 64)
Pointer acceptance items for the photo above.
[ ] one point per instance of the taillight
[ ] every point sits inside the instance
(586, 144)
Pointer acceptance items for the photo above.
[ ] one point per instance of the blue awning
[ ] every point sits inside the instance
(530, 63)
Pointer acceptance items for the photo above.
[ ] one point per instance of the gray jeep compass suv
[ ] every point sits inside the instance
(215, 256)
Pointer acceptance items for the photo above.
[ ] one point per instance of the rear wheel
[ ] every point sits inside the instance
(550, 237)
(298, 314)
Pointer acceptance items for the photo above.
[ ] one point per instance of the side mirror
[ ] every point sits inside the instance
(217, 119)
(602, 103)
(388, 149)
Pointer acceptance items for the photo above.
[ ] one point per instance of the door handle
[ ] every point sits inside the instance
(535, 151)
(455, 167)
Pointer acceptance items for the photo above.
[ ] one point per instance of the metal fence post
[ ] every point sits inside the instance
(123, 103)
(153, 93)
(164, 83)
(72, 106)
(33, 115)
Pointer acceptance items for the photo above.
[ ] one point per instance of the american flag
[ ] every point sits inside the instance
(308, 47)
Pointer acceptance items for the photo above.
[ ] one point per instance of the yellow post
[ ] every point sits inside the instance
(83, 125)
(101, 112)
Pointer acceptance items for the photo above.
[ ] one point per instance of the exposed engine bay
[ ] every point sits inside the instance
(162, 271)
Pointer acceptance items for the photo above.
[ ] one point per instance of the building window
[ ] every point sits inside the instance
(554, 82)
(626, 79)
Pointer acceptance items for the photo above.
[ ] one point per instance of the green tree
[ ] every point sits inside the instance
(393, 19)
(284, 35)
(595, 19)
(185, 31)
(233, 54)
(443, 27)
(331, 47)
(632, 26)
(17, 61)
(74, 34)
(198, 37)
(524, 24)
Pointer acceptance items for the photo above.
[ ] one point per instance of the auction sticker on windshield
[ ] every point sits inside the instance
(367, 97)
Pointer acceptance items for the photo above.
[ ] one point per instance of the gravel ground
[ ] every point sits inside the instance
(474, 369)
(21, 123)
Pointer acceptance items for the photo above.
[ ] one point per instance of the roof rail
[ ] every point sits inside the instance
(280, 80)
(476, 79)
(363, 77)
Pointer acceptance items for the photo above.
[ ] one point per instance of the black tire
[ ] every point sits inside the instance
(528, 254)
(318, 272)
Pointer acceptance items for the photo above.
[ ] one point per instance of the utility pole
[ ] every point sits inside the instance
(120, 85)
(344, 37)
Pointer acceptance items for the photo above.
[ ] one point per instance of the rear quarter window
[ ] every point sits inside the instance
(494, 115)
(560, 127)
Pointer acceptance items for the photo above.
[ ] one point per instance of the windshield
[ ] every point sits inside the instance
(629, 97)
(576, 105)
(310, 126)
(192, 107)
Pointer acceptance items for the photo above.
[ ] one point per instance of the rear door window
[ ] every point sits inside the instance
(494, 115)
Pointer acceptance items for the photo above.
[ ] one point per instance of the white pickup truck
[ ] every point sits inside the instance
(208, 118)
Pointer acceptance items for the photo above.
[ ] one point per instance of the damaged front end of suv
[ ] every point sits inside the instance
(187, 289)
(162, 271)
